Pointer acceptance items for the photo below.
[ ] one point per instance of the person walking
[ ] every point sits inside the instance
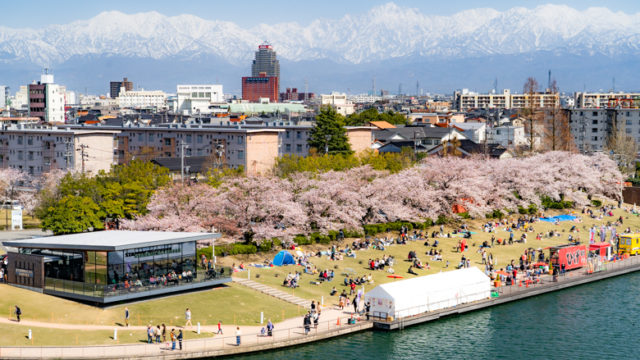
(180, 338)
(187, 317)
(269, 328)
(355, 304)
(164, 333)
(126, 316)
(157, 333)
(18, 313)
(238, 334)
(149, 335)
(173, 339)
(306, 322)
(220, 328)
(367, 309)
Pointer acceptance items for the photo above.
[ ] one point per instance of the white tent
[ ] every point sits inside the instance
(428, 293)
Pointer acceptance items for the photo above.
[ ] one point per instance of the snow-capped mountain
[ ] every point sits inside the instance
(385, 33)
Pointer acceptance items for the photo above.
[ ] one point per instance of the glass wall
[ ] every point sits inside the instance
(152, 265)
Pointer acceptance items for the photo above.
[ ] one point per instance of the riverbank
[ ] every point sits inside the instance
(290, 332)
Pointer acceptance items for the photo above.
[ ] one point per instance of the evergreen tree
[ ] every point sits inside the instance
(328, 134)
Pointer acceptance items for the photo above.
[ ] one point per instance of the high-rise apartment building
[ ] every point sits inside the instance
(47, 100)
(265, 62)
(114, 88)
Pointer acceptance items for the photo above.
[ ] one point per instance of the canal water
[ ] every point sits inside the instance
(594, 321)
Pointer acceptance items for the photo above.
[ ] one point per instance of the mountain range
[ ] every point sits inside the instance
(397, 46)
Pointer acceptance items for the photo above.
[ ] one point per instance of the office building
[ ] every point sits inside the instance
(142, 99)
(197, 99)
(115, 87)
(261, 87)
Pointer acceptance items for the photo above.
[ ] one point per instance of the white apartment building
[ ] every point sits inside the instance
(141, 99)
(197, 99)
(364, 98)
(21, 100)
(339, 102)
(3, 96)
(465, 100)
(55, 103)
(605, 100)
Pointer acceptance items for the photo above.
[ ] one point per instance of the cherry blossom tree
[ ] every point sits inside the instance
(268, 207)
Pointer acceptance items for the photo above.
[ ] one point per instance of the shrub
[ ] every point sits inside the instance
(235, 249)
(496, 214)
(268, 245)
(549, 203)
(596, 203)
(441, 220)
(464, 215)
(301, 240)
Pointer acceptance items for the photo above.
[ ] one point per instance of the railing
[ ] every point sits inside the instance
(122, 288)
(522, 285)
(214, 346)
(593, 268)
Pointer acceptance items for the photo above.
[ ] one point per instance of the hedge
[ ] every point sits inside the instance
(373, 229)
(531, 210)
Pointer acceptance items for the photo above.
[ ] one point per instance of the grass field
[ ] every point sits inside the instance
(16, 335)
(504, 254)
(232, 304)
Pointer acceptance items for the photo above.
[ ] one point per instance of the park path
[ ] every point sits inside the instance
(279, 294)
(333, 322)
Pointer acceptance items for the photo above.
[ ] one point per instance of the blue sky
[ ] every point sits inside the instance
(37, 13)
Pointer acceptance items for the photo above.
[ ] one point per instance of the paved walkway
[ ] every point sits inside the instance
(265, 289)
(333, 322)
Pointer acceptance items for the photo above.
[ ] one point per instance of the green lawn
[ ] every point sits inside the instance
(274, 276)
(16, 335)
(232, 304)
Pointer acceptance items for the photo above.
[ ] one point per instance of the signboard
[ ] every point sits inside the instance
(24, 273)
(16, 219)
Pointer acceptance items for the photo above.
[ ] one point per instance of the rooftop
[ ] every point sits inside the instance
(110, 240)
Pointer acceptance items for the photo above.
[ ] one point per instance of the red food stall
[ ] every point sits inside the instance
(602, 249)
(572, 256)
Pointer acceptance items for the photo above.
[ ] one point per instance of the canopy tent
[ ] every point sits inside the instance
(428, 293)
(283, 258)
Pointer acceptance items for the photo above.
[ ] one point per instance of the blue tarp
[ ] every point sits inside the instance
(559, 218)
(283, 258)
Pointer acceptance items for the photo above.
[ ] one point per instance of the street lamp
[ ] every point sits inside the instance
(326, 144)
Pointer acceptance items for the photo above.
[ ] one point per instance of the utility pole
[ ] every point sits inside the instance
(182, 147)
(83, 155)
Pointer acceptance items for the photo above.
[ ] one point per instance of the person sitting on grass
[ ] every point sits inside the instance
(410, 271)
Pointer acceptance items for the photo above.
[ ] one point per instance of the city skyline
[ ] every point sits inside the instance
(400, 46)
